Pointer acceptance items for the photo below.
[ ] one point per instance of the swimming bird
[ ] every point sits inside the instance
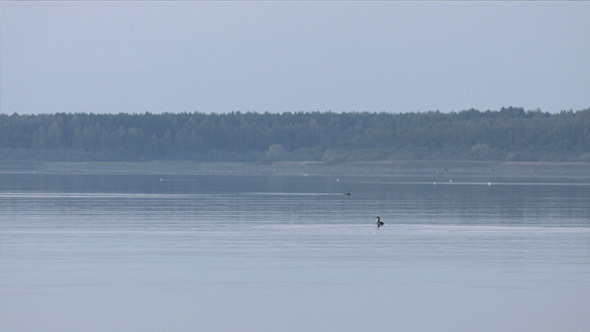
(349, 193)
(379, 222)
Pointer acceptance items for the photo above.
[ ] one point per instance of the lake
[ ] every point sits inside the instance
(277, 250)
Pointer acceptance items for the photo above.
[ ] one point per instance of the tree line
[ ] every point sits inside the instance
(510, 134)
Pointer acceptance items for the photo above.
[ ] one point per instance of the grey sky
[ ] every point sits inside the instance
(293, 56)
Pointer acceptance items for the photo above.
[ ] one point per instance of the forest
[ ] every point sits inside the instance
(510, 134)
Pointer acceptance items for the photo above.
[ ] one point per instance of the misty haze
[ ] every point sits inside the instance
(294, 166)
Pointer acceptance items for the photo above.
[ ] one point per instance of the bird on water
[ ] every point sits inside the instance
(349, 193)
(379, 222)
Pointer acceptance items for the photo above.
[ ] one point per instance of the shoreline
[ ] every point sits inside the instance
(437, 170)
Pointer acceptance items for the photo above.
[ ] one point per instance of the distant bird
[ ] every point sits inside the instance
(349, 193)
(379, 222)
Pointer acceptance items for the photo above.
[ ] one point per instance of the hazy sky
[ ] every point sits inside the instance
(212, 56)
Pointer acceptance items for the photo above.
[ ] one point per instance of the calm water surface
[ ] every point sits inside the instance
(291, 253)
